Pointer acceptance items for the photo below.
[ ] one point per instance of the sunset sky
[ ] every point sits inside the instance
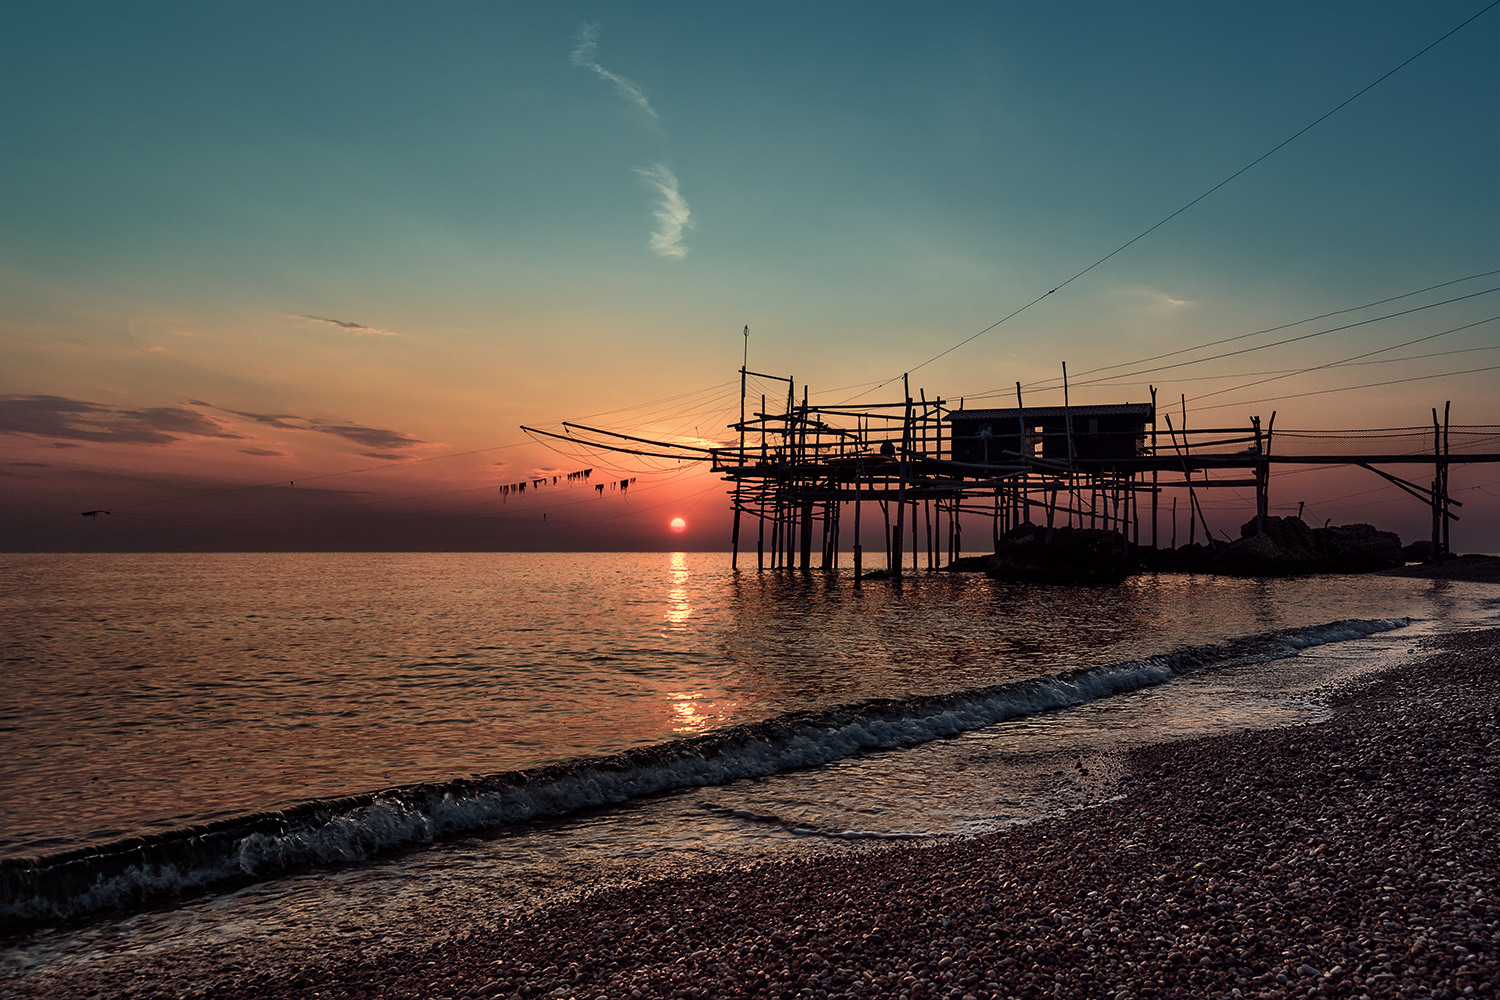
(280, 275)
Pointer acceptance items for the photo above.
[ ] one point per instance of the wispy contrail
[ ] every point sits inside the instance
(583, 55)
(672, 215)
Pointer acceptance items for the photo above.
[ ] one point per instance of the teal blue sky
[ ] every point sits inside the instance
(402, 230)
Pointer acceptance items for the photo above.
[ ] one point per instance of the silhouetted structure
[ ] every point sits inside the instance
(1059, 433)
(798, 470)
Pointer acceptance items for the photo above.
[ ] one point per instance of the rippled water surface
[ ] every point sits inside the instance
(148, 692)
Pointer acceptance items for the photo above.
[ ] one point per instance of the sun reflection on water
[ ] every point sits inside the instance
(679, 608)
(689, 715)
(691, 711)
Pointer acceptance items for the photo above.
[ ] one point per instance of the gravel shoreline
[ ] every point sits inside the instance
(1355, 857)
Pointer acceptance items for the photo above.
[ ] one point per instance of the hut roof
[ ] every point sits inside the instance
(1140, 410)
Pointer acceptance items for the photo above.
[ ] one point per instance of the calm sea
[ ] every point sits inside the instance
(378, 731)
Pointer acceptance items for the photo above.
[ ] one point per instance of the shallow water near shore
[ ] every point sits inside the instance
(680, 646)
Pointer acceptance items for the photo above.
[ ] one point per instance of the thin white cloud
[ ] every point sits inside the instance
(584, 54)
(1156, 298)
(672, 215)
(359, 329)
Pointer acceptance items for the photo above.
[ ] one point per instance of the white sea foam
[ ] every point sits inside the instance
(335, 832)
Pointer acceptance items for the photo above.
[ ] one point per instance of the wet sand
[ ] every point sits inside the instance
(1354, 857)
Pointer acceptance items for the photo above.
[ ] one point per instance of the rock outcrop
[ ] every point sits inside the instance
(1030, 553)
(1419, 551)
(1288, 547)
(1284, 546)
(1358, 548)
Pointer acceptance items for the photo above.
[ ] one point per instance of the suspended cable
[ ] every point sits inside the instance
(1053, 383)
(1345, 361)
(1285, 371)
(1290, 340)
(719, 387)
(1348, 388)
(1259, 159)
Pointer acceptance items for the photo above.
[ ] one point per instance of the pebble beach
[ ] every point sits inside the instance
(1351, 857)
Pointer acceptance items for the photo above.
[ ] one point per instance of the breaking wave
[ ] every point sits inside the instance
(329, 832)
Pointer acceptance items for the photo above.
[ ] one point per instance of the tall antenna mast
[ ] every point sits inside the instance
(744, 366)
(734, 559)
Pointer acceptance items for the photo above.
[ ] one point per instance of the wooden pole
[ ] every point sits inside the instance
(734, 558)
(995, 526)
(1133, 504)
(1112, 507)
(885, 512)
(1021, 420)
(760, 538)
(1436, 552)
(1270, 433)
(1447, 543)
(836, 513)
(927, 519)
(952, 540)
(1074, 498)
(826, 555)
(776, 524)
(916, 540)
(859, 549)
(789, 462)
(899, 538)
(805, 562)
(1260, 479)
(1195, 509)
(1154, 490)
(1192, 503)
(1192, 519)
(805, 507)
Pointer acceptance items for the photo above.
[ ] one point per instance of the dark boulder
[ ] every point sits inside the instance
(968, 564)
(1288, 547)
(1262, 555)
(1284, 547)
(1030, 553)
(1358, 548)
(1195, 558)
(1290, 532)
(1419, 551)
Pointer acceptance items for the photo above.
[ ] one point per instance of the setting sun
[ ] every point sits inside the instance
(678, 524)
